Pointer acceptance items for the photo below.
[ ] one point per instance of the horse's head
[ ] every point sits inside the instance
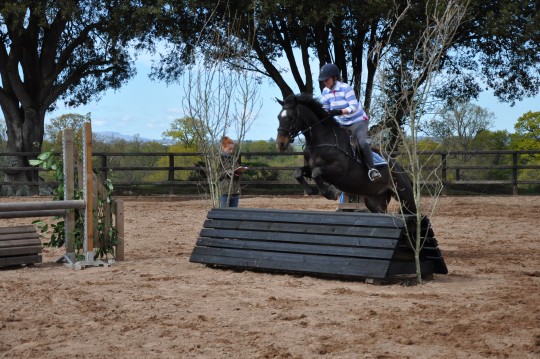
(299, 114)
(288, 123)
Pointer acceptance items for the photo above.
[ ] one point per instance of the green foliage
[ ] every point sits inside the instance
(179, 161)
(258, 146)
(427, 144)
(496, 141)
(184, 132)
(527, 136)
(262, 174)
(48, 161)
(509, 40)
(198, 174)
(492, 140)
(107, 233)
(104, 145)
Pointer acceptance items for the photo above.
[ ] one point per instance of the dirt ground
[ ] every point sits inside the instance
(157, 304)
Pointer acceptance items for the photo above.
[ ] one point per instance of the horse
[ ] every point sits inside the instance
(329, 158)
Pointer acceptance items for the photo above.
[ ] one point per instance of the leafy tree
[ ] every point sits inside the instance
(493, 140)
(263, 174)
(528, 131)
(260, 146)
(103, 143)
(292, 30)
(527, 137)
(496, 141)
(428, 145)
(60, 50)
(497, 43)
(179, 161)
(183, 131)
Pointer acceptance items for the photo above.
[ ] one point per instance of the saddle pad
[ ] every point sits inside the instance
(378, 160)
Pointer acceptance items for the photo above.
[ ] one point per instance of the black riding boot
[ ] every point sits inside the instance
(373, 173)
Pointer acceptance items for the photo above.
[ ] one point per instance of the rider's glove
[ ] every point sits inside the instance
(335, 112)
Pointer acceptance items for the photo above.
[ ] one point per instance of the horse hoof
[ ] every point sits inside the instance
(331, 196)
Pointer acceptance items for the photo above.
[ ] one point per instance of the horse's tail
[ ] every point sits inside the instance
(403, 187)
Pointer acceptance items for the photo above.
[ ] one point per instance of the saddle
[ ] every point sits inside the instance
(378, 160)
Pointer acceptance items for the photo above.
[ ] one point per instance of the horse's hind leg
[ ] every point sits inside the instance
(300, 175)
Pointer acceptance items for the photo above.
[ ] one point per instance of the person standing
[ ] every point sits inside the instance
(340, 102)
(231, 171)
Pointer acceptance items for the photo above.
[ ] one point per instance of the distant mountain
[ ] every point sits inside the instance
(111, 136)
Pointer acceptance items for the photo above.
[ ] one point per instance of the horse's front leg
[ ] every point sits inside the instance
(326, 190)
(300, 175)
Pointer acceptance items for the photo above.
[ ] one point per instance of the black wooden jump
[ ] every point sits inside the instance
(19, 245)
(334, 244)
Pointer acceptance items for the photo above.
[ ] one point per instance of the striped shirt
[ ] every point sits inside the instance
(342, 96)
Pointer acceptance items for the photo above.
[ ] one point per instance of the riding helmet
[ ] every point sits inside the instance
(327, 71)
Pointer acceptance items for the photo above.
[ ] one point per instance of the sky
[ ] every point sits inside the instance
(147, 108)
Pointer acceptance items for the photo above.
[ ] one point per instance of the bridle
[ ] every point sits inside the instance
(293, 132)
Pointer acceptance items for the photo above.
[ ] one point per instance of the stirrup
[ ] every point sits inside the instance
(374, 174)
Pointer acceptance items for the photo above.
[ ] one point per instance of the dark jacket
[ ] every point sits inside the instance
(227, 173)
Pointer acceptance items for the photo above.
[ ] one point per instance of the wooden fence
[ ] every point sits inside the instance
(457, 169)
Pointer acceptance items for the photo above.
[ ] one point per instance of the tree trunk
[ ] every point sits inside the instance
(25, 129)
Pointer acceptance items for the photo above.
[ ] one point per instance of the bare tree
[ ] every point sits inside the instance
(458, 124)
(418, 77)
(222, 96)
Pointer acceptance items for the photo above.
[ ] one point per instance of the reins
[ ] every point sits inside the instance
(308, 129)
(293, 134)
(335, 144)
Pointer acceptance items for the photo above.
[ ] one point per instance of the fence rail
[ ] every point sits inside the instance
(502, 167)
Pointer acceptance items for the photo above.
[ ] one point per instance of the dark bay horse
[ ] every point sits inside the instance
(329, 158)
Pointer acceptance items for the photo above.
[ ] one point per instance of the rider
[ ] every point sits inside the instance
(340, 102)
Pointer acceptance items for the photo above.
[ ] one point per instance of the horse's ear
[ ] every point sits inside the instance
(280, 102)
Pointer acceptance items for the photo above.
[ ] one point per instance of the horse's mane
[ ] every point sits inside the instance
(307, 100)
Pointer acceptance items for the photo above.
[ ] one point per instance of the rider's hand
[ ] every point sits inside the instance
(335, 112)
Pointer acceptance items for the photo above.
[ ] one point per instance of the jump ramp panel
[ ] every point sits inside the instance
(19, 245)
(318, 243)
